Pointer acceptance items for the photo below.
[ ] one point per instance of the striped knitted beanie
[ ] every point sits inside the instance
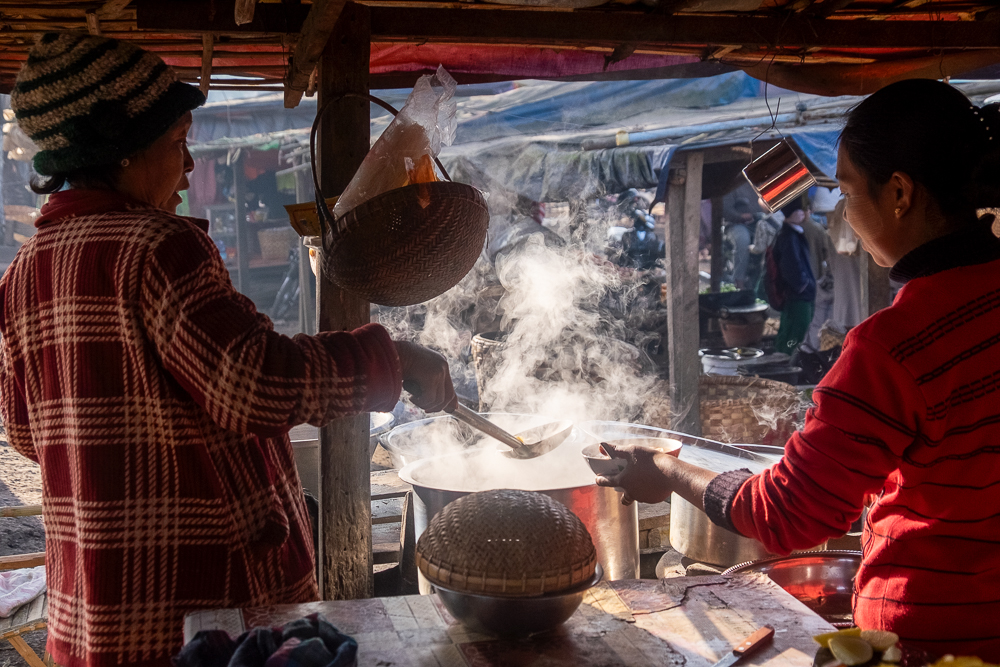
(90, 101)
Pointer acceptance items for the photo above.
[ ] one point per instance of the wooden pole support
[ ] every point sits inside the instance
(876, 293)
(716, 242)
(316, 29)
(21, 510)
(684, 208)
(93, 23)
(207, 52)
(242, 228)
(345, 487)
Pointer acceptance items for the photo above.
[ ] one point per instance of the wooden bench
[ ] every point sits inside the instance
(393, 535)
(31, 616)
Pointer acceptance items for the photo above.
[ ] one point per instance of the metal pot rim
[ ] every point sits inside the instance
(406, 475)
(740, 567)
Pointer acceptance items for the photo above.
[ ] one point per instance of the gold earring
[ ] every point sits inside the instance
(898, 209)
(125, 164)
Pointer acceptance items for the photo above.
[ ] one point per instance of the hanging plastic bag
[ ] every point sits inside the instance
(424, 124)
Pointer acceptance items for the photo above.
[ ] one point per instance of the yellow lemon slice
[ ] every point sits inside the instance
(824, 639)
(851, 650)
(880, 640)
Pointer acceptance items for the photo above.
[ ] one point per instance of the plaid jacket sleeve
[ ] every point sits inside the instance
(13, 407)
(226, 355)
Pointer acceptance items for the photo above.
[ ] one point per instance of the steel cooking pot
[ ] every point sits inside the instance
(562, 474)
(692, 533)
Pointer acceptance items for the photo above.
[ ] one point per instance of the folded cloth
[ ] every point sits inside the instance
(18, 587)
(305, 642)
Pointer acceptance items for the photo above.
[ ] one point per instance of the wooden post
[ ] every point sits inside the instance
(242, 228)
(684, 209)
(345, 487)
(207, 53)
(876, 292)
(303, 188)
(716, 244)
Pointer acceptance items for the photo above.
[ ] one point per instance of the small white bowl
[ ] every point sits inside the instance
(601, 463)
(604, 465)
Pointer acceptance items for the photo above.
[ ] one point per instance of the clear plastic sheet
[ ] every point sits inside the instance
(424, 124)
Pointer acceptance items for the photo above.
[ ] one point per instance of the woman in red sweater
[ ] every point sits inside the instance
(909, 414)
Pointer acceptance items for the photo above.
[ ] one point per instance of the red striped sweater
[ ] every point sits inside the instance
(910, 413)
(157, 401)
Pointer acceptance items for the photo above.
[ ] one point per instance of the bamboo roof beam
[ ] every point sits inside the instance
(608, 29)
(207, 48)
(316, 31)
(93, 23)
(112, 9)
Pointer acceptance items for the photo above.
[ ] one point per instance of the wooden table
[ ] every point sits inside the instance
(679, 622)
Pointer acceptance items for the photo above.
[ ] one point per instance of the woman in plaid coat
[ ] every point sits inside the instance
(155, 398)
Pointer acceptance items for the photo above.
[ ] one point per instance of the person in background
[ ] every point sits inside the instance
(845, 266)
(820, 250)
(740, 223)
(765, 231)
(794, 279)
(154, 397)
(641, 247)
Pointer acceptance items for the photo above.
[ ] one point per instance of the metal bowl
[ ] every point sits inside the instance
(822, 581)
(513, 616)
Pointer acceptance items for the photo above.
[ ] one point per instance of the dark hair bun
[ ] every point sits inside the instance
(932, 132)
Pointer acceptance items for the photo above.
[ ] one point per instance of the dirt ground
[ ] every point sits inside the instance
(20, 484)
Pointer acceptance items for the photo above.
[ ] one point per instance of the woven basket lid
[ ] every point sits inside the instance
(507, 543)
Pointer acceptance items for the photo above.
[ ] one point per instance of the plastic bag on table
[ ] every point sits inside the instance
(423, 125)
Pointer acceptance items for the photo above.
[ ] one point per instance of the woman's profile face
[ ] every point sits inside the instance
(157, 174)
(865, 214)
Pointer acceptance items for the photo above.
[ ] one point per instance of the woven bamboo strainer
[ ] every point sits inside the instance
(406, 245)
(747, 410)
(506, 543)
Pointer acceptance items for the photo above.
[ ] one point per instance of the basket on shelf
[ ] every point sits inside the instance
(506, 543)
(406, 245)
(747, 410)
(275, 243)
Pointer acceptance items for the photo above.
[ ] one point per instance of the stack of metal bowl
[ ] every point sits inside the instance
(823, 581)
(508, 563)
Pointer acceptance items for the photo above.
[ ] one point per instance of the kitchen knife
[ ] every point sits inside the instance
(750, 645)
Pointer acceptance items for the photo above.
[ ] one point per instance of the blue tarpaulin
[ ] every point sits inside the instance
(820, 148)
(529, 136)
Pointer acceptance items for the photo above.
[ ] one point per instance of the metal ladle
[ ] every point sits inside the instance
(531, 443)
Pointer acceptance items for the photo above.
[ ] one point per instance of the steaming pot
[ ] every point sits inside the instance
(692, 533)
(562, 474)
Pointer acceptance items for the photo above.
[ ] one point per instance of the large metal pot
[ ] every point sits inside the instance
(692, 533)
(562, 474)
